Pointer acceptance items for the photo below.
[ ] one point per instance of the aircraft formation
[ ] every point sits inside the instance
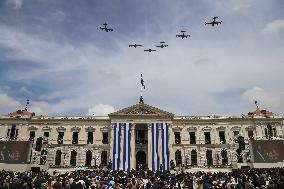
(162, 44)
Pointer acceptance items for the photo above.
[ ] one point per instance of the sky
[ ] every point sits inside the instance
(54, 54)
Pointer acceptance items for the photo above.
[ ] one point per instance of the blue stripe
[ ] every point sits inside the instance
(129, 146)
(124, 147)
(157, 141)
(163, 150)
(153, 142)
(167, 145)
(119, 140)
(114, 146)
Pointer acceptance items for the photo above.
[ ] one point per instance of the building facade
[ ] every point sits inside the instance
(139, 136)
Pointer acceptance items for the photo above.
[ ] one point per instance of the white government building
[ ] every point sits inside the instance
(139, 135)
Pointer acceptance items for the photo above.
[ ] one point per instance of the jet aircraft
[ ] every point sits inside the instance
(135, 45)
(182, 35)
(162, 45)
(105, 28)
(213, 22)
(150, 50)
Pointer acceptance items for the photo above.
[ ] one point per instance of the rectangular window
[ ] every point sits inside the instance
(32, 135)
(75, 138)
(207, 137)
(250, 134)
(177, 138)
(141, 137)
(60, 138)
(46, 134)
(236, 133)
(105, 138)
(222, 137)
(192, 138)
(90, 138)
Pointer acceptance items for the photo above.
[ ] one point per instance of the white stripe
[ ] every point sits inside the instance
(155, 154)
(117, 146)
(166, 157)
(157, 150)
(127, 150)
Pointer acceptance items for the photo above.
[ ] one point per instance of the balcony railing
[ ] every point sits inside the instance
(141, 141)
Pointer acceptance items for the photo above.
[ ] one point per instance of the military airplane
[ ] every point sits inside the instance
(162, 45)
(135, 45)
(105, 28)
(213, 22)
(149, 50)
(182, 35)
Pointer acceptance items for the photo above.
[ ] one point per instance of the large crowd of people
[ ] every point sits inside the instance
(98, 179)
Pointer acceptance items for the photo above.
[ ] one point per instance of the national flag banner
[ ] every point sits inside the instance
(142, 83)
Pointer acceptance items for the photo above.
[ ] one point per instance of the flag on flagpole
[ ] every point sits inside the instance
(142, 83)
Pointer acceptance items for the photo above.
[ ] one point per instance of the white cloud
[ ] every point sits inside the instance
(40, 108)
(271, 100)
(273, 27)
(8, 104)
(240, 4)
(17, 4)
(101, 110)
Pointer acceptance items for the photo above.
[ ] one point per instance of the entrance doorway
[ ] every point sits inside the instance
(141, 160)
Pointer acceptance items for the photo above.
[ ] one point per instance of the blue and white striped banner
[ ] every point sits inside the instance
(165, 146)
(116, 146)
(127, 147)
(155, 154)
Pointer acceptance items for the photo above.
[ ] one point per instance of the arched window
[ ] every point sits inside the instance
(58, 157)
(224, 157)
(104, 158)
(178, 158)
(43, 157)
(38, 144)
(193, 157)
(88, 158)
(73, 158)
(209, 157)
(13, 132)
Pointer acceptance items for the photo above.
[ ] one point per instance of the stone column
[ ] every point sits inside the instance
(132, 146)
(149, 146)
(111, 142)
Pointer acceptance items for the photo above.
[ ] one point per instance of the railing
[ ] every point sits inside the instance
(141, 141)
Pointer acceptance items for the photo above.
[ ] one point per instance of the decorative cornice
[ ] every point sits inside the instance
(221, 128)
(141, 109)
(207, 128)
(46, 128)
(236, 128)
(75, 129)
(90, 129)
(61, 129)
(192, 129)
(32, 128)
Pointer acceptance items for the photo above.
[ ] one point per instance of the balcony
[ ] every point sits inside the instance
(141, 141)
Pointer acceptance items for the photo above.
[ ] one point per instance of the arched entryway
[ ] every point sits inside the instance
(209, 158)
(73, 158)
(178, 158)
(58, 157)
(193, 157)
(224, 157)
(38, 144)
(89, 158)
(141, 160)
